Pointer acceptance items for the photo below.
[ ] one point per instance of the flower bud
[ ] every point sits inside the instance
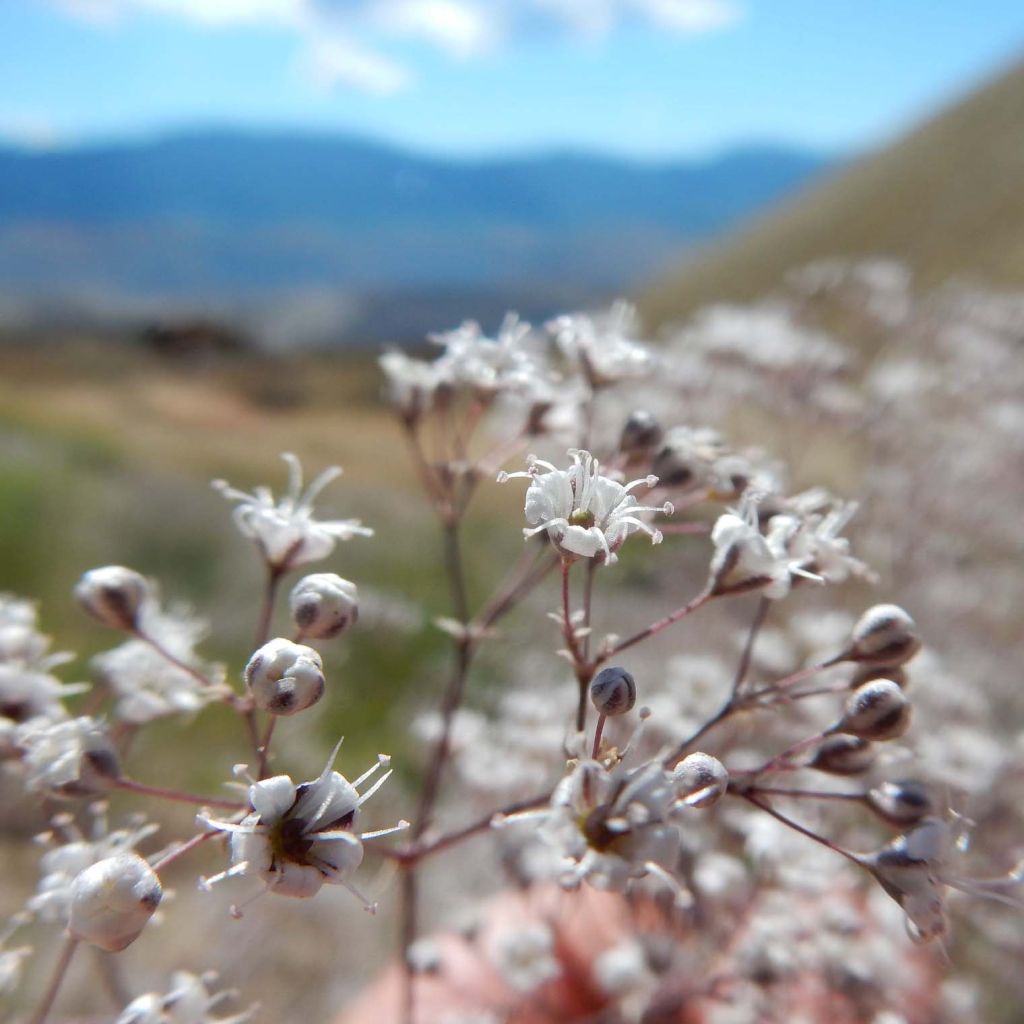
(878, 710)
(285, 677)
(902, 803)
(884, 635)
(843, 755)
(700, 780)
(112, 900)
(324, 605)
(113, 595)
(866, 673)
(640, 433)
(613, 691)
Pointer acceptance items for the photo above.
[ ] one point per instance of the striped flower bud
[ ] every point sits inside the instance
(113, 595)
(843, 755)
(902, 803)
(640, 433)
(113, 900)
(324, 605)
(878, 710)
(284, 677)
(700, 780)
(613, 691)
(884, 635)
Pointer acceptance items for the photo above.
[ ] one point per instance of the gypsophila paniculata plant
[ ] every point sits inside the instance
(667, 799)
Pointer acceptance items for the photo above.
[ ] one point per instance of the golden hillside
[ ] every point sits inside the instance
(947, 199)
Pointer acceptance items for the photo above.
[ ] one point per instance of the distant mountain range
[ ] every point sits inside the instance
(947, 199)
(331, 236)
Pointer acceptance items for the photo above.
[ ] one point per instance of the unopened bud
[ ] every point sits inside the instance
(613, 691)
(866, 673)
(113, 595)
(902, 803)
(113, 900)
(324, 605)
(285, 677)
(843, 755)
(878, 710)
(884, 635)
(640, 433)
(700, 780)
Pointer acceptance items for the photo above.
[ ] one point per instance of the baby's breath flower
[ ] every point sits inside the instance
(69, 758)
(71, 852)
(285, 530)
(585, 514)
(188, 1002)
(297, 838)
(915, 868)
(147, 684)
(604, 346)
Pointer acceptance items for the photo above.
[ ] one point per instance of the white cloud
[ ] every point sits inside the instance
(343, 40)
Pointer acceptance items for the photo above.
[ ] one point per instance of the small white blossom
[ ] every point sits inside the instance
(60, 865)
(285, 530)
(188, 1002)
(585, 514)
(915, 868)
(525, 957)
(411, 384)
(113, 900)
(612, 826)
(73, 758)
(146, 683)
(603, 346)
(745, 559)
(297, 838)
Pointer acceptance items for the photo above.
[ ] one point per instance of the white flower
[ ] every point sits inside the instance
(411, 383)
(188, 1002)
(603, 346)
(585, 514)
(60, 865)
(27, 695)
(744, 559)
(113, 900)
(146, 683)
(285, 530)
(284, 677)
(296, 838)
(324, 605)
(485, 365)
(915, 868)
(74, 758)
(525, 957)
(611, 826)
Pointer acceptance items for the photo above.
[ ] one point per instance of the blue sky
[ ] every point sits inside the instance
(648, 78)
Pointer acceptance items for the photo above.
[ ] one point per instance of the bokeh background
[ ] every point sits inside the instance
(214, 214)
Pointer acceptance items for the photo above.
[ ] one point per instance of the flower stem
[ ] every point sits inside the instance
(42, 1011)
(656, 627)
(264, 748)
(797, 827)
(177, 795)
(179, 851)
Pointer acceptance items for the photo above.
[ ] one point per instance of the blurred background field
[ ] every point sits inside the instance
(185, 293)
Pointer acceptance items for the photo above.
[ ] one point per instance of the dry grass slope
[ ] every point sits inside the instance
(946, 199)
